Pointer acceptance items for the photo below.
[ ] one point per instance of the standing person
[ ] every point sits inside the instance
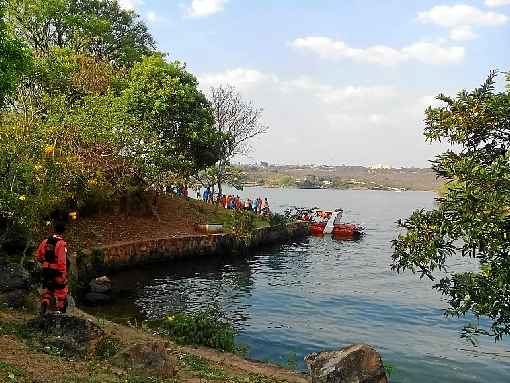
(198, 192)
(52, 254)
(247, 204)
(265, 207)
(206, 194)
(254, 205)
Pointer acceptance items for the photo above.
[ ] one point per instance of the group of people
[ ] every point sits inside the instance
(257, 205)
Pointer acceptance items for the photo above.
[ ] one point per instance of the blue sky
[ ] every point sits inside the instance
(341, 82)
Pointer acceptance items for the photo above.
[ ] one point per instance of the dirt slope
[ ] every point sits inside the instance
(172, 217)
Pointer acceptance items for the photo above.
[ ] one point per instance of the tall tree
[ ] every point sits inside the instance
(472, 217)
(99, 28)
(238, 121)
(173, 116)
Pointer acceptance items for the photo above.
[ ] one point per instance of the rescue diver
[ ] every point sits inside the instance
(52, 254)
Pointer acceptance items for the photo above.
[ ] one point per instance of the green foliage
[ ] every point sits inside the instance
(278, 220)
(98, 28)
(10, 373)
(96, 117)
(242, 225)
(107, 347)
(205, 370)
(14, 58)
(472, 216)
(205, 328)
(173, 116)
(389, 368)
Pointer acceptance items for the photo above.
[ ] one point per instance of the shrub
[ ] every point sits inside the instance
(107, 347)
(204, 328)
(277, 220)
(242, 225)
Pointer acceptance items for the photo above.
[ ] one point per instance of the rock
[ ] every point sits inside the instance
(71, 335)
(13, 277)
(101, 285)
(358, 363)
(148, 359)
(97, 298)
(21, 299)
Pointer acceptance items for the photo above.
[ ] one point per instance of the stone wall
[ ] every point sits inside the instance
(107, 259)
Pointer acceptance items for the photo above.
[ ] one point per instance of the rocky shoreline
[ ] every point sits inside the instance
(93, 349)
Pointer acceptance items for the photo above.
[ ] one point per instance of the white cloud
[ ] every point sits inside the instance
(460, 19)
(239, 77)
(431, 53)
(312, 121)
(130, 5)
(202, 8)
(450, 16)
(153, 17)
(462, 33)
(496, 3)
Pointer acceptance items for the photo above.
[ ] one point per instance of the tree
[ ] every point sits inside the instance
(14, 58)
(98, 28)
(239, 122)
(174, 119)
(472, 217)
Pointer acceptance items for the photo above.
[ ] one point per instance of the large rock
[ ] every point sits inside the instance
(13, 277)
(358, 363)
(69, 334)
(150, 359)
(101, 285)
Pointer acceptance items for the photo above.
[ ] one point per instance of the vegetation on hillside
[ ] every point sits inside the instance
(91, 114)
(471, 218)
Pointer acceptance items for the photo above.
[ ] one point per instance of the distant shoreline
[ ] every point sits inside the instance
(382, 188)
(340, 177)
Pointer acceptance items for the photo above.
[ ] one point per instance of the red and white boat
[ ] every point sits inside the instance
(329, 222)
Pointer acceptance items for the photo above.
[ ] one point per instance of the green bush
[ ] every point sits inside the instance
(107, 347)
(204, 328)
(277, 220)
(242, 225)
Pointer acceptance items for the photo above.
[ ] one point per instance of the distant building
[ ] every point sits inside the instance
(379, 167)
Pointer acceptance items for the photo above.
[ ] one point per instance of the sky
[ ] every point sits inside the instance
(340, 81)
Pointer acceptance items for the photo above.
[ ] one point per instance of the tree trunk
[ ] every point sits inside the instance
(220, 190)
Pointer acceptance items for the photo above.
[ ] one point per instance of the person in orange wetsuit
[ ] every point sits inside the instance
(52, 254)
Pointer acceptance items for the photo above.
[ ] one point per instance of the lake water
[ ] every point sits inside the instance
(324, 294)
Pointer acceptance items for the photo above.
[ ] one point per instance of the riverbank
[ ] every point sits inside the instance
(169, 216)
(24, 359)
(103, 260)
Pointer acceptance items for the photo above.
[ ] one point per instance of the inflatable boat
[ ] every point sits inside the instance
(329, 222)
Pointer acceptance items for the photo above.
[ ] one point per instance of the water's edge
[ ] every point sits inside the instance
(109, 259)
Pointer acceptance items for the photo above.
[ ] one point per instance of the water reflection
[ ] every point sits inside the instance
(188, 285)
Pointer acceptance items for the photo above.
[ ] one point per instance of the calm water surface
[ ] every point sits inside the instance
(325, 294)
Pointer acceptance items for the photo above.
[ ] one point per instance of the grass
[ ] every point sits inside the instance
(219, 215)
(9, 373)
(107, 347)
(205, 328)
(203, 369)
